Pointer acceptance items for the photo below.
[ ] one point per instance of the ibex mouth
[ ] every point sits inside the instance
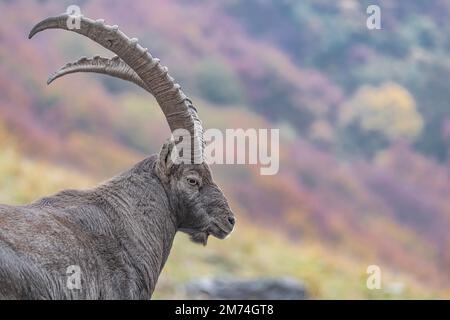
(219, 231)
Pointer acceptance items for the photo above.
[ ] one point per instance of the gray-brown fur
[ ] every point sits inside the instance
(119, 233)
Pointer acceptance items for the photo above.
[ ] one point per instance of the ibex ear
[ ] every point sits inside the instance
(165, 162)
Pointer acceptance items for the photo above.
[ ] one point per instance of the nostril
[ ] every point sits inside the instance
(232, 220)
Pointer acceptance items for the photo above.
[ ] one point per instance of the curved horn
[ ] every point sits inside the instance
(177, 108)
(115, 67)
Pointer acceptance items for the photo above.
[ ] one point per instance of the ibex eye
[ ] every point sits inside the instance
(192, 181)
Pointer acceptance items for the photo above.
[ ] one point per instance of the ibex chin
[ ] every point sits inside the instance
(118, 234)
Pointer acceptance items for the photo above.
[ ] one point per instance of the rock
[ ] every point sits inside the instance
(249, 289)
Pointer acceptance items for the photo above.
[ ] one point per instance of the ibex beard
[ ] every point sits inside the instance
(119, 233)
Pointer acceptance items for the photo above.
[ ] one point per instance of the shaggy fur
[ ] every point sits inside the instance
(119, 233)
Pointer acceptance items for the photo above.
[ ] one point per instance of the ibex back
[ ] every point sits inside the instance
(118, 234)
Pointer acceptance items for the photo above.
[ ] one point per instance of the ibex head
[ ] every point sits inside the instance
(200, 207)
(199, 204)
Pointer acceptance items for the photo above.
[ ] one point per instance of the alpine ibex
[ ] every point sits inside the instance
(119, 234)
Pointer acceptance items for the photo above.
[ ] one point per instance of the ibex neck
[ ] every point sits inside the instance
(145, 223)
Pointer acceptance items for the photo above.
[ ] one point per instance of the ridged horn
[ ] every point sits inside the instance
(178, 109)
(114, 67)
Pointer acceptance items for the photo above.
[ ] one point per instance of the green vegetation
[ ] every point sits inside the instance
(24, 180)
(252, 252)
(218, 83)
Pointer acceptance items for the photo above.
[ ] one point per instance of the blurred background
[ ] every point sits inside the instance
(364, 118)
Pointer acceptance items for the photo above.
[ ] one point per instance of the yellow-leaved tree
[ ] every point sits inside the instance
(389, 110)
